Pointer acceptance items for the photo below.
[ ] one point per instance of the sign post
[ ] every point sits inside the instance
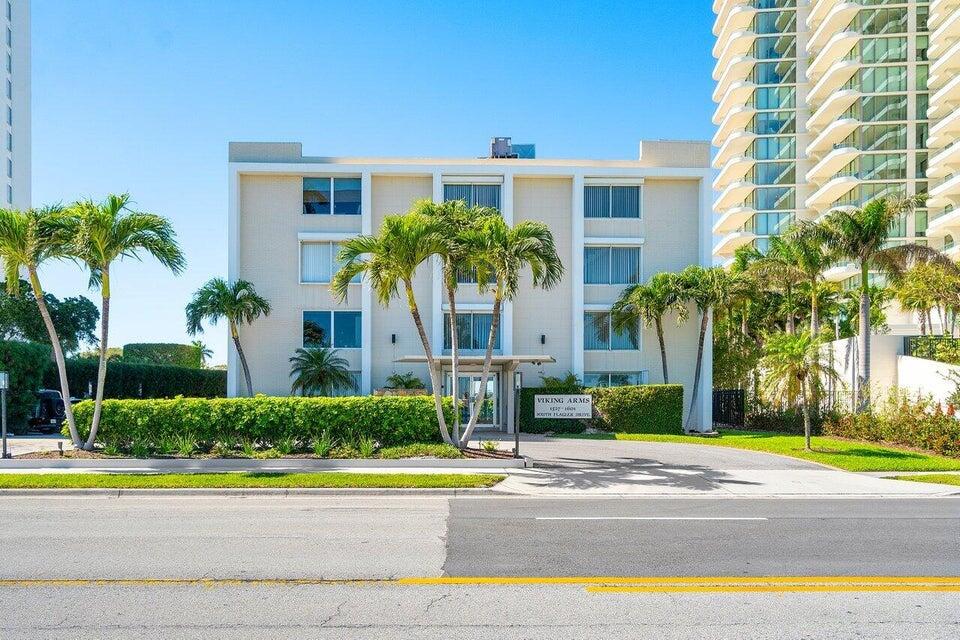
(4, 385)
(517, 386)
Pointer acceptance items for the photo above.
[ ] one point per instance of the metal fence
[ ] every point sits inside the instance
(728, 407)
(930, 347)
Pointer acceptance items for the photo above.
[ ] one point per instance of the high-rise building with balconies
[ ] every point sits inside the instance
(824, 104)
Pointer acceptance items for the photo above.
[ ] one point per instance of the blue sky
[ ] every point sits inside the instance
(143, 96)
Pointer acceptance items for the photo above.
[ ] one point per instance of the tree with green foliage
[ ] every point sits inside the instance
(319, 371)
(649, 303)
(236, 302)
(75, 318)
(29, 239)
(404, 381)
(203, 353)
(107, 232)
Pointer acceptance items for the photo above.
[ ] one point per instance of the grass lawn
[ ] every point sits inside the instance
(844, 454)
(332, 480)
(935, 478)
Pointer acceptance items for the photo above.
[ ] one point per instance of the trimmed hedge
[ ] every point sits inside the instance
(130, 380)
(262, 419)
(25, 362)
(648, 408)
(166, 353)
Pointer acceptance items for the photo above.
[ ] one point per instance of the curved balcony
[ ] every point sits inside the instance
(732, 219)
(940, 10)
(833, 79)
(831, 163)
(840, 272)
(945, 67)
(734, 193)
(944, 132)
(945, 100)
(736, 120)
(835, 105)
(735, 145)
(738, 46)
(833, 134)
(736, 96)
(837, 18)
(945, 162)
(732, 171)
(729, 243)
(943, 36)
(823, 197)
(733, 17)
(836, 48)
(945, 194)
(738, 70)
(945, 224)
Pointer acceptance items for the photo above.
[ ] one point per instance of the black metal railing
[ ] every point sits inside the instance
(940, 348)
(728, 407)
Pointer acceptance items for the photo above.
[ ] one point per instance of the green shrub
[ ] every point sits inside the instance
(940, 348)
(420, 451)
(265, 421)
(131, 380)
(25, 362)
(782, 420)
(163, 353)
(649, 408)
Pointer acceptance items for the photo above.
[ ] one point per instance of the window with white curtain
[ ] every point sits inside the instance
(318, 262)
(611, 265)
(475, 195)
(599, 335)
(611, 201)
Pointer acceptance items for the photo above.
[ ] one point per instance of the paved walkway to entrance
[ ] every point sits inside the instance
(618, 467)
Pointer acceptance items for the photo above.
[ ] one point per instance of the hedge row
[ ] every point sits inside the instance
(390, 421)
(166, 353)
(649, 408)
(25, 362)
(130, 380)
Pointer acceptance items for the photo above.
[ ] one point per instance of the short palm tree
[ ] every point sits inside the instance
(649, 303)
(107, 232)
(203, 352)
(862, 236)
(28, 239)
(389, 261)
(796, 367)
(500, 253)
(319, 371)
(237, 302)
(708, 288)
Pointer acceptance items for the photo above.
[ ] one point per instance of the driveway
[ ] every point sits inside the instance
(19, 445)
(620, 467)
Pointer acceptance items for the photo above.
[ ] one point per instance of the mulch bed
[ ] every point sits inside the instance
(97, 455)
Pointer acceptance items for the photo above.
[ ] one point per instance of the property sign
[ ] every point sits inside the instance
(565, 406)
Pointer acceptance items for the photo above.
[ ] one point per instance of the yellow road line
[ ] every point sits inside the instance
(677, 580)
(777, 588)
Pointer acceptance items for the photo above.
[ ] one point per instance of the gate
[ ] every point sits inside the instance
(728, 407)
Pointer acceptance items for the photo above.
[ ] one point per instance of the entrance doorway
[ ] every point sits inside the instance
(468, 388)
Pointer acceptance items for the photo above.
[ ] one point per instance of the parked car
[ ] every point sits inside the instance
(49, 413)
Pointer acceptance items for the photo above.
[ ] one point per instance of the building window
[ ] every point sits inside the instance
(615, 378)
(473, 331)
(9, 11)
(10, 116)
(611, 265)
(9, 37)
(9, 168)
(318, 262)
(9, 90)
(608, 201)
(475, 195)
(598, 334)
(341, 196)
(469, 276)
(9, 141)
(337, 329)
(9, 194)
(9, 63)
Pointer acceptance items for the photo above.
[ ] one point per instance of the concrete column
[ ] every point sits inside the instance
(366, 295)
(233, 268)
(576, 275)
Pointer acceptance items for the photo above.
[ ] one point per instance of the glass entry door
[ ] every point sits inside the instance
(468, 388)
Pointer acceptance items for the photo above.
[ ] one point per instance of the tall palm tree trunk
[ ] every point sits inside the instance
(923, 322)
(454, 353)
(863, 366)
(57, 355)
(487, 358)
(434, 374)
(102, 366)
(235, 335)
(814, 315)
(805, 409)
(704, 320)
(663, 349)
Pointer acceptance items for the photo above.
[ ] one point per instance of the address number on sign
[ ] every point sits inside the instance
(564, 407)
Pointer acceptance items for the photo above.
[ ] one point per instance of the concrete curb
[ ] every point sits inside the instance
(236, 493)
(179, 465)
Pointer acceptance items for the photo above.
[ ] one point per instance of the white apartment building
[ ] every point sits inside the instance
(824, 104)
(16, 88)
(615, 222)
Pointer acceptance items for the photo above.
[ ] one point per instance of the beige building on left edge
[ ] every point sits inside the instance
(615, 222)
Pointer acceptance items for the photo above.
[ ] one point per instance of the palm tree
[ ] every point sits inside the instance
(390, 260)
(27, 240)
(320, 370)
(708, 289)
(203, 352)
(500, 253)
(794, 259)
(862, 236)
(453, 218)
(108, 231)
(796, 367)
(237, 302)
(649, 303)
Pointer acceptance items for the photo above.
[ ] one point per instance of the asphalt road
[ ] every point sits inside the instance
(120, 546)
